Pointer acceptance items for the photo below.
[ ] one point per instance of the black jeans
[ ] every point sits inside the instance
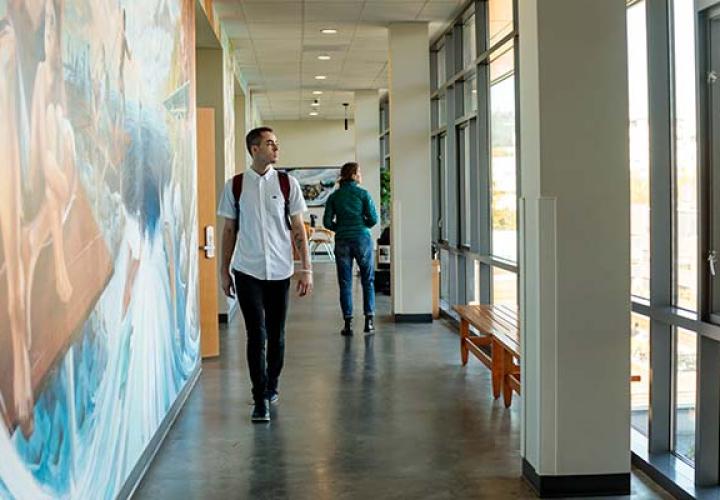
(264, 305)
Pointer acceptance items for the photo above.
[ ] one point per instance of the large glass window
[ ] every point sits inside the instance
(470, 95)
(442, 111)
(444, 275)
(504, 287)
(685, 393)
(441, 70)
(640, 372)
(443, 175)
(466, 215)
(469, 45)
(500, 20)
(639, 151)
(686, 238)
(502, 163)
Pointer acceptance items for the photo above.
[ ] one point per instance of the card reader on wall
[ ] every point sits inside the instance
(209, 246)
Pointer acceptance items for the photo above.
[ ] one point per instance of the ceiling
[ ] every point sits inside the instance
(277, 44)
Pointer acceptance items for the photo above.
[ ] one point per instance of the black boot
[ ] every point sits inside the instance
(369, 324)
(347, 331)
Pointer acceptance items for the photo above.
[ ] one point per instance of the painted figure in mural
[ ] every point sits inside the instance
(35, 203)
(256, 207)
(52, 151)
(11, 218)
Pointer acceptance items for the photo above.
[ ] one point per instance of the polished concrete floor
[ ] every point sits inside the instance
(391, 416)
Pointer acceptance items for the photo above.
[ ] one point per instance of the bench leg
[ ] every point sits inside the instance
(497, 368)
(464, 333)
(507, 371)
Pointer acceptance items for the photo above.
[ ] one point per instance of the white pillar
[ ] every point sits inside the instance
(575, 250)
(409, 79)
(367, 145)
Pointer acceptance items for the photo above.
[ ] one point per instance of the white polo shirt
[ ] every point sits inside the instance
(263, 248)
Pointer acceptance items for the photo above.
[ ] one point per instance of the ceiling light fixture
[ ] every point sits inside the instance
(315, 103)
(313, 113)
(328, 31)
(324, 58)
(317, 92)
(320, 77)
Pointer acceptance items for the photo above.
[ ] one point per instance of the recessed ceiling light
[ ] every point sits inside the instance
(320, 77)
(315, 103)
(313, 113)
(324, 58)
(317, 92)
(328, 31)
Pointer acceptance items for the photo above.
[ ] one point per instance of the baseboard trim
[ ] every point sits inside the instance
(579, 485)
(224, 318)
(414, 318)
(138, 473)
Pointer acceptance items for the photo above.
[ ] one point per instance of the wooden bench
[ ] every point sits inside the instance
(499, 330)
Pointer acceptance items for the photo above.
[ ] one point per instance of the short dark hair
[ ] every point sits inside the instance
(348, 171)
(254, 137)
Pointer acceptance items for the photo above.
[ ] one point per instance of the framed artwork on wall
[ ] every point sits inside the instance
(316, 183)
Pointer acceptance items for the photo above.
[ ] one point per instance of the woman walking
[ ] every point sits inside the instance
(350, 213)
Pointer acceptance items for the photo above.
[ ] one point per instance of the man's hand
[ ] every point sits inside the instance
(305, 283)
(228, 285)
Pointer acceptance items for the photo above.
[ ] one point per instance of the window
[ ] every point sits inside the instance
(500, 20)
(441, 70)
(442, 111)
(470, 95)
(686, 205)
(444, 275)
(469, 43)
(502, 164)
(639, 151)
(504, 287)
(640, 367)
(685, 393)
(443, 176)
(464, 158)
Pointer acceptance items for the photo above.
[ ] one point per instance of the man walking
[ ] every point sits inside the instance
(263, 211)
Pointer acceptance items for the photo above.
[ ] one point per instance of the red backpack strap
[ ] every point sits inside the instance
(237, 184)
(285, 186)
(284, 180)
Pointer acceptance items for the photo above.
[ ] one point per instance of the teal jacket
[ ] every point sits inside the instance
(350, 212)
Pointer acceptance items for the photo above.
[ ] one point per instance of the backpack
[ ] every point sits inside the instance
(283, 179)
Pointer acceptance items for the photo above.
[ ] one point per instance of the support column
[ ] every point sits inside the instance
(367, 149)
(411, 212)
(241, 153)
(575, 246)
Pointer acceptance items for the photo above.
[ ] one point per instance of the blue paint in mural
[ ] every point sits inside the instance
(110, 206)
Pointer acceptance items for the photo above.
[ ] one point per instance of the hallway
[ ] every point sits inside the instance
(389, 416)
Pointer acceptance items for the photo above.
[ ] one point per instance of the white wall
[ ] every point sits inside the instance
(310, 143)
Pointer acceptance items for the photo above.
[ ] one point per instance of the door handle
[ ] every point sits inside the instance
(712, 260)
(209, 246)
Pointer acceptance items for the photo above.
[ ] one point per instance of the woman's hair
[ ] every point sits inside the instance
(348, 171)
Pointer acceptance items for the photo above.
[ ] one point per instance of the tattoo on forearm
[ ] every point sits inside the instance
(302, 247)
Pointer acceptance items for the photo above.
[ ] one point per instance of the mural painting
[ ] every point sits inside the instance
(98, 230)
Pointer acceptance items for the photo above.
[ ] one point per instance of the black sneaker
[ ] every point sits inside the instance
(273, 397)
(261, 412)
(347, 331)
(369, 324)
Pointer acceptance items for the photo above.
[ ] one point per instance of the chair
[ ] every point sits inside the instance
(322, 238)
